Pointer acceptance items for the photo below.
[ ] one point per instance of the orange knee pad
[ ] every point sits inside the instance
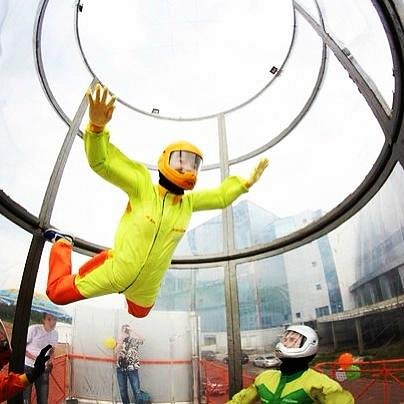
(64, 291)
(138, 311)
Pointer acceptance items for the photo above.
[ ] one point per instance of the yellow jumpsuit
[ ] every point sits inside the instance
(150, 228)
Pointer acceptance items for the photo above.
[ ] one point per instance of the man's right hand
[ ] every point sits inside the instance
(100, 111)
(39, 365)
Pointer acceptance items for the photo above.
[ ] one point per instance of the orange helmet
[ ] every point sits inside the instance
(180, 163)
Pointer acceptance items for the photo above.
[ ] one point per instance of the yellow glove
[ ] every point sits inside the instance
(99, 111)
(257, 172)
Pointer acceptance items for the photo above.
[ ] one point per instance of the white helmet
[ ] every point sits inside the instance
(308, 345)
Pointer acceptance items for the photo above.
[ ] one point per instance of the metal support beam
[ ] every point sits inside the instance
(27, 285)
(334, 336)
(23, 308)
(366, 87)
(391, 13)
(233, 330)
(54, 182)
(230, 277)
(195, 334)
(359, 336)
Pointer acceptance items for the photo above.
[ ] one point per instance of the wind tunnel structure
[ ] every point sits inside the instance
(315, 86)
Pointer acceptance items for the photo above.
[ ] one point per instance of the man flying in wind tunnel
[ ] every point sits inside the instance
(155, 219)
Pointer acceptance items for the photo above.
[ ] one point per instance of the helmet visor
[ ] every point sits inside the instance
(185, 161)
(292, 339)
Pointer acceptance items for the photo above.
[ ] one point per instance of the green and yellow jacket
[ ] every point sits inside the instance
(151, 226)
(307, 386)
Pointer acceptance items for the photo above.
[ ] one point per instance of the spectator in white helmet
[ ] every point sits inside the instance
(294, 382)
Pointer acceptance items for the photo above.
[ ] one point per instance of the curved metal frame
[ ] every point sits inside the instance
(391, 154)
(253, 153)
(373, 181)
(197, 118)
(90, 248)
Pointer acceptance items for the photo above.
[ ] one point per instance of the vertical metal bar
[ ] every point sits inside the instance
(54, 182)
(195, 357)
(113, 367)
(398, 146)
(233, 329)
(24, 300)
(391, 14)
(22, 310)
(195, 332)
(334, 336)
(72, 380)
(365, 85)
(171, 342)
(359, 335)
(230, 277)
(386, 385)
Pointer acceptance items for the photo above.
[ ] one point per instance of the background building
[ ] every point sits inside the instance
(270, 291)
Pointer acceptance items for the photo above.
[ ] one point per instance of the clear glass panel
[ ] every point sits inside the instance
(66, 73)
(202, 291)
(357, 26)
(325, 158)
(15, 244)
(190, 309)
(165, 357)
(205, 231)
(186, 58)
(272, 112)
(267, 281)
(31, 133)
(370, 246)
(144, 137)
(359, 263)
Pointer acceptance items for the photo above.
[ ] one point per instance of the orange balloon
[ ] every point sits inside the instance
(345, 360)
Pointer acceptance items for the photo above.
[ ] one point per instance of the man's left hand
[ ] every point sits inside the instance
(257, 172)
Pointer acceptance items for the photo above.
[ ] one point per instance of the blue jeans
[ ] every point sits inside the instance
(41, 388)
(123, 376)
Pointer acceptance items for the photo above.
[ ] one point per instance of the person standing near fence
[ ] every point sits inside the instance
(40, 335)
(12, 383)
(128, 363)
